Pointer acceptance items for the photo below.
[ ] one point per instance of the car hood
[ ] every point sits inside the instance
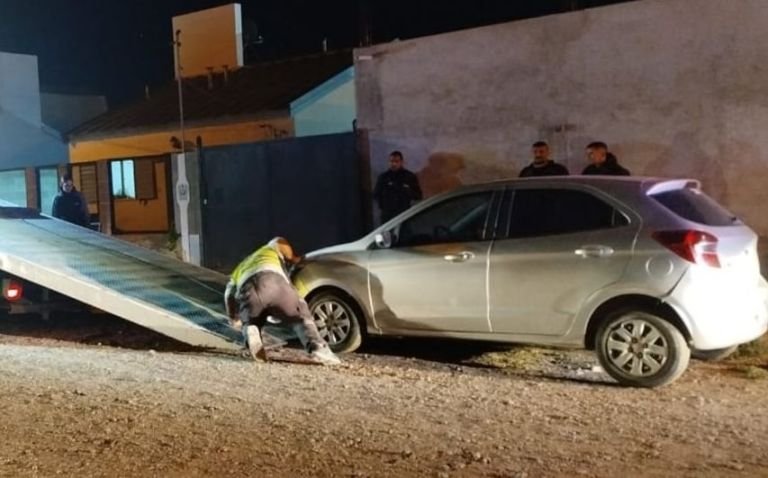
(355, 246)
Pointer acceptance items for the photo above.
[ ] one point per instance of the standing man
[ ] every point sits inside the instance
(396, 189)
(70, 204)
(542, 165)
(602, 161)
(259, 288)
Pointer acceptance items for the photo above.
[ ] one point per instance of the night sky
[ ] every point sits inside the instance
(115, 47)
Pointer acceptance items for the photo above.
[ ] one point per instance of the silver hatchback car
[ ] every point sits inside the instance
(641, 270)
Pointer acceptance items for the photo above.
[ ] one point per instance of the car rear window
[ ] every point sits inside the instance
(694, 205)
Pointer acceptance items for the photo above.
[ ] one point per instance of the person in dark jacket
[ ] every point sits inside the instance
(603, 161)
(542, 165)
(396, 189)
(70, 204)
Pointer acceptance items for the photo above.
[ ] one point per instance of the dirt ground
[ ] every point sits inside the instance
(100, 397)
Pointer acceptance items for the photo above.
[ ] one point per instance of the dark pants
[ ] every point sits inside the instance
(268, 294)
(386, 215)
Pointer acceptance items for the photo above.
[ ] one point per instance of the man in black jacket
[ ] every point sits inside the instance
(70, 204)
(396, 189)
(603, 161)
(542, 165)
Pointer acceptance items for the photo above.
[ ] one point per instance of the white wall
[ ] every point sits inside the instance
(24, 141)
(20, 87)
(327, 109)
(675, 87)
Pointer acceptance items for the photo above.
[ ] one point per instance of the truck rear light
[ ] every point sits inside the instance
(12, 290)
(694, 246)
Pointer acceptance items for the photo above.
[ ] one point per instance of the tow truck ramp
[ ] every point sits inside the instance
(173, 298)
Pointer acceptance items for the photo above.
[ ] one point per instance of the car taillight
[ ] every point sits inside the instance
(698, 247)
(12, 290)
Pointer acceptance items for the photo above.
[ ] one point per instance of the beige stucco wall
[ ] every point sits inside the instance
(210, 39)
(675, 87)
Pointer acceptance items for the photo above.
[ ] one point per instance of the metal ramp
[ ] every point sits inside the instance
(171, 297)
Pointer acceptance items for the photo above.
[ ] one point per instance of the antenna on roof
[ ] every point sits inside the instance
(365, 23)
(210, 77)
(226, 73)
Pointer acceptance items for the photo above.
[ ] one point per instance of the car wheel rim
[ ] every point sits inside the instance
(333, 321)
(637, 347)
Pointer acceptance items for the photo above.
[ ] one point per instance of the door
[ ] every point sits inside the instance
(434, 275)
(557, 247)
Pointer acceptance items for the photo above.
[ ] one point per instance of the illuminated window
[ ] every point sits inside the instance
(13, 187)
(134, 179)
(123, 179)
(48, 187)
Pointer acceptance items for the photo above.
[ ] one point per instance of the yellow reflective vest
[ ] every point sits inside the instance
(266, 259)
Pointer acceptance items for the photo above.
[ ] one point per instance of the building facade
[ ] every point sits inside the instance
(676, 88)
(33, 152)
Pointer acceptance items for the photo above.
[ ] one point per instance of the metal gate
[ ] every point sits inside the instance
(307, 190)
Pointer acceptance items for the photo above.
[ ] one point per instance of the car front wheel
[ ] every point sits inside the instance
(640, 349)
(337, 320)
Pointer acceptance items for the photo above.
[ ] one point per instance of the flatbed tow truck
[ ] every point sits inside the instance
(48, 265)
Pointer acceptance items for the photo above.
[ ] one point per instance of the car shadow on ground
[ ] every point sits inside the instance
(503, 360)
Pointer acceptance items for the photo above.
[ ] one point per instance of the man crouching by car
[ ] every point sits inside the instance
(259, 288)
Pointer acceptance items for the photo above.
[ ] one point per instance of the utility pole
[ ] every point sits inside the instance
(182, 195)
(177, 52)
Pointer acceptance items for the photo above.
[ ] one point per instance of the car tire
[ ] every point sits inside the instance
(714, 355)
(338, 320)
(640, 349)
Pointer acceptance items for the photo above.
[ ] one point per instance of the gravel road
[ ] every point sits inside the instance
(405, 408)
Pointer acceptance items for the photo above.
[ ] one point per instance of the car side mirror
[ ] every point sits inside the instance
(383, 240)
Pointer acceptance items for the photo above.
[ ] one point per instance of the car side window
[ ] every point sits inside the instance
(542, 212)
(458, 219)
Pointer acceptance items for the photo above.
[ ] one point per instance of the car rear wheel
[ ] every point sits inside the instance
(337, 320)
(714, 355)
(640, 349)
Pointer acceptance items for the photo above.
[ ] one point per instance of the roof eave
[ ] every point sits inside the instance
(175, 126)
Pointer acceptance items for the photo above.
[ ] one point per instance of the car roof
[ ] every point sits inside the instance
(646, 184)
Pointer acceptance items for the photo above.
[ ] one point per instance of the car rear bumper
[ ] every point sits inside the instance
(719, 313)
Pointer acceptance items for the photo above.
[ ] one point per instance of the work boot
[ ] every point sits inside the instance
(325, 356)
(254, 344)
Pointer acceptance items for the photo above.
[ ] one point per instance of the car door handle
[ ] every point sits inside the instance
(594, 251)
(460, 257)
